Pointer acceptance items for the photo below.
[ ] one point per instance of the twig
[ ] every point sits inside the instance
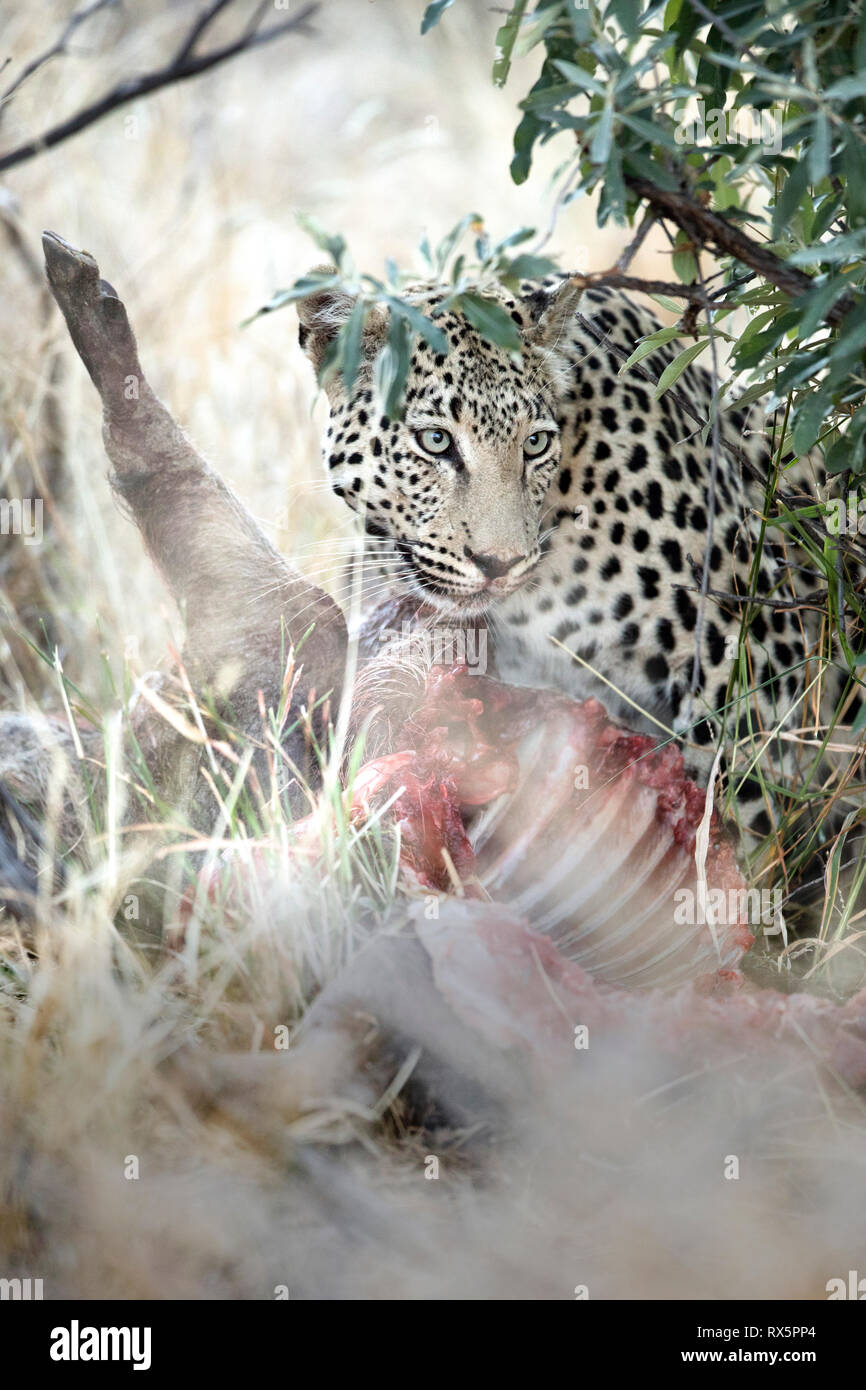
(711, 497)
(717, 22)
(204, 21)
(185, 64)
(840, 568)
(559, 202)
(815, 600)
(614, 279)
(58, 47)
(708, 228)
(636, 242)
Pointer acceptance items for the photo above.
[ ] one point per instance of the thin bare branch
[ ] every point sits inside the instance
(615, 280)
(184, 65)
(712, 500)
(58, 47)
(636, 242)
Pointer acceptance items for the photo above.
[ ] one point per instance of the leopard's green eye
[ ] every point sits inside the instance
(535, 444)
(434, 441)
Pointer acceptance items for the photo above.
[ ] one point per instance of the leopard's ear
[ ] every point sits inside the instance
(552, 311)
(323, 313)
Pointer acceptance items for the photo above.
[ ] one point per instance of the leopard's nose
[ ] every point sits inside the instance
(491, 565)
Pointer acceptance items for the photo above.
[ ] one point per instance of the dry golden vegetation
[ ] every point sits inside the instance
(188, 200)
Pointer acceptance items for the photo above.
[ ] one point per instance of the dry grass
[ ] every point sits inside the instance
(188, 201)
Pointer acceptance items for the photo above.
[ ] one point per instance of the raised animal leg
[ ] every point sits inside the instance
(245, 607)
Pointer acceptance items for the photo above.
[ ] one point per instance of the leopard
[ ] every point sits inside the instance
(605, 529)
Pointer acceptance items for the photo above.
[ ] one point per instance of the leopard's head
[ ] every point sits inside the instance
(456, 491)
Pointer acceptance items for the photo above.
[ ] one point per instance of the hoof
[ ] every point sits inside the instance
(65, 263)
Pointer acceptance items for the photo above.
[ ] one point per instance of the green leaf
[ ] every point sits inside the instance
(532, 30)
(649, 345)
(599, 148)
(546, 95)
(826, 209)
(506, 36)
(807, 424)
(847, 88)
(854, 169)
(646, 168)
(446, 247)
(351, 335)
(525, 137)
(614, 189)
(819, 301)
(666, 303)
(676, 368)
(628, 13)
(579, 77)
(580, 19)
(790, 196)
(492, 321)
(432, 334)
(334, 245)
(434, 13)
(514, 238)
(301, 289)
(819, 154)
(849, 346)
(392, 368)
(838, 456)
(653, 133)
(849, 247)
(529, 267)
(684, 260)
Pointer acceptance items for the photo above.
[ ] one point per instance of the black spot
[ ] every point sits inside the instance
(665, 634)
(649, 579)
(638, 459)
(716, 644)
(656, 669)
(688, 613)
(670, 549)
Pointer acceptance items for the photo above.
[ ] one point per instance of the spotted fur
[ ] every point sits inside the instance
(591, 546)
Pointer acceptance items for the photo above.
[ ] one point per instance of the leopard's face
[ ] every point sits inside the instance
(455, 492)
